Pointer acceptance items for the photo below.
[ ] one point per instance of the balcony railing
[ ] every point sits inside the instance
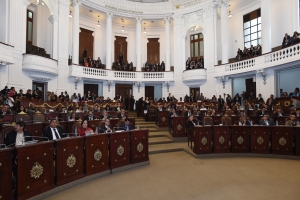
(280, 57)
(6, 54)
(194, 75)
(34, 63)
(101, 74)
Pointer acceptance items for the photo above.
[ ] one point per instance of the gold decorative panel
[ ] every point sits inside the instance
(282, 141)
(204, 141)
(140, 147)
(71, 161)
(260, 140)
(240, 140)
(97, 155)
(120, 150)
(37, 170)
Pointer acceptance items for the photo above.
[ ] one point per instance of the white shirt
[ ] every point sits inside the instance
(20, 140)
(53, 133)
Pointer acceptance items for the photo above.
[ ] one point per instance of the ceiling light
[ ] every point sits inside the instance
(40, 2)
(70, 15)
(123, 25)
(123, 28)
(229, 14)
(98, 22)
(144, 28)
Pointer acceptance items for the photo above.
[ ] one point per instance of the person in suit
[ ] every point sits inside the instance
(1, 121)
(127, 126)
(278, 113)
(286, 43)
(18, 136)
(170, 115)
(259, 99)
(104, 115)
(5, 110)
(53, 131)
(169, 98)
(106, 128)
(188, 113)
(261, 112)
(119, 107)
(270, 102)
(295, 103)
(121, 115)
(162, 66)
(191, 122)
(121, 58)
(297, 112)
(85, 130)
(293, 121)
(90, 116)
(244, 121)
(266, 121)
(220, 102)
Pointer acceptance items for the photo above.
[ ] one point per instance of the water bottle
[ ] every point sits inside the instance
(21, 119)
(56, 119)
(240, 123)
(276, 123)
(298, 124)
(138, 126)
(75, 131)
(69, 118)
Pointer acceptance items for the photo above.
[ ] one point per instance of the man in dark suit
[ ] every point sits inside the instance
(266, 121)
(244, 121)
(121, 115)
(162, 66)
(259, 99)
(286, 37)
(121, 58)
(279, 113)
(5, 110)
(90, 116)
(53, 131)
(104, 115)
(169, 98)
(119, 107)
(170, 115)
(188, 113)
(221, 102)
(127, 126)
(261, 112)
(106, 128)
(18, 136)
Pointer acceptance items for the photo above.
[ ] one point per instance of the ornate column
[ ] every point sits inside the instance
(138, 36)
(224, 31)
(75, 50)
(108, 40)
(167, 21)
(266, 26)
(54, 21)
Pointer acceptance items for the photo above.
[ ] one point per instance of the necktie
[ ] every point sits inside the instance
(56, 133)
(267, 123)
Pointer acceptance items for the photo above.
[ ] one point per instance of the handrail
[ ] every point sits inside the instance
(6, 44)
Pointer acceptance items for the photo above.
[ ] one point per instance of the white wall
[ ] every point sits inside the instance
(289, 80)
(239, 85)
(4, 20)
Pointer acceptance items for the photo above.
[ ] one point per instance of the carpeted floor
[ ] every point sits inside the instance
(180, 176)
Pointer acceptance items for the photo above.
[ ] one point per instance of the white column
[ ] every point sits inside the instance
(224, 32)
(295, 7)
(54, 20)
(75, 39)
(167, 21)
(4, 18)
(108, 40)
(266, 26)
(138, 36)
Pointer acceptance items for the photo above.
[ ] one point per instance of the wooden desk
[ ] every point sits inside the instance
(163, 120)
(5, 173)
(240, 139)
(96, 154)
(202, 139)
(297, 141)
(69, 160)
(178, 126)
(221, 139)
(119, 151)
(282, 140)
(139, 145)
(35, 169)
(260, 139)
(8, 118)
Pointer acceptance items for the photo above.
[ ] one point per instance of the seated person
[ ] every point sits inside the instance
(80, 109)
(106, 128)
(18, 137)
(261, 112)
(266, 121)
(121, 115)
(53, 131)
(293, 121)
(22, 110)
(127, 126)
(191, 122)
(119, 107)
(297, 112)
(90, 116)
(104, 115)
(244, 121)
(85, 130)
(278, 113)
(1, 121)
(286, 43)
(73, 118)
(188, 113)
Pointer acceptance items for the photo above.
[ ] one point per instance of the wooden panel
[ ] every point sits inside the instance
(69, 160)
(260, 139)
(120, 46)
(29, 158)
(202, 139)
(119, 151)
(282, 140)
(139, 146)
(36, 130)
(124, 90)
(178, 126)
(153, 50)
(5, 173)
(163, 120)
(250, 85)
(96, 154)
(240, 139)
(221, 139)
(86, 40)
(149, 92)
(91, 87)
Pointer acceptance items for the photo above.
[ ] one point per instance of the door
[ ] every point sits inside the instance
(149, 92)
(250, 86)
(41, 88)
(91, 87)
(153, 50)
(121, 46)
(195, 92)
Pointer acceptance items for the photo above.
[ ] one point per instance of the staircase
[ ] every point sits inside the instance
(160, 140)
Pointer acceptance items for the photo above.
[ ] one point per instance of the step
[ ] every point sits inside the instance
(167, 147)
(159, 140)
(153, 134)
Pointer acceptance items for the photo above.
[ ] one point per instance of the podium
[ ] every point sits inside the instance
(139, 146)
(178, 126)
(221, 139)
(240, 139)
(119, 152)
(35, 169)
(282, 140)
(96, 153)
(163, 120)
(260, 139)
(69, 160)
(202, 139)
(5, 173)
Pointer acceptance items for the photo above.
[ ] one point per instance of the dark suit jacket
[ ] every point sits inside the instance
(190, 124)
(271, 122)
(259, 113)
(103, 129)
(88, 118)
(120, 116)
(48, 133)
(122, 127)
(186, 114)
(247, 123)
(10, 138)
(116, 109)
(169, 99)
(102, 117)
(257, 101)
(276, 114)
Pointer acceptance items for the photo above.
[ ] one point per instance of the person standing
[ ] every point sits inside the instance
(121, 58)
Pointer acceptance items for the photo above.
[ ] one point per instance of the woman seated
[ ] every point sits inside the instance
(244, 121)
(85, 130)
(22, 110)
(80, 109)
(202, 107)
(73, 118)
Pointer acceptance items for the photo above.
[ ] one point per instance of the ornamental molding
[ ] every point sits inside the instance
(76, 3)
(36, 170)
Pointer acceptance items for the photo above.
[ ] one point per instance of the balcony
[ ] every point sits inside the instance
(194, 75)
(277, 58)
(40, 68)
(6, 54)
(101, 74)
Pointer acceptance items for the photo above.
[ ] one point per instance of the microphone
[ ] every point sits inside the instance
(33, 121)
(37, 137)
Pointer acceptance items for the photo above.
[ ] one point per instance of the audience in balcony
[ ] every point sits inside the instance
(288, 40)
(123, 66)
(89, 62)
(194, 63)
(248, 53)
(155, 66)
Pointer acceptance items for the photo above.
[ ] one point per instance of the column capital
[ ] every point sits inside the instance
(138, 19)
(109, 15)
(222, 3)
(76, 3)
(26, 2)
(53, 18)
(177, 19)
(167, 20)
